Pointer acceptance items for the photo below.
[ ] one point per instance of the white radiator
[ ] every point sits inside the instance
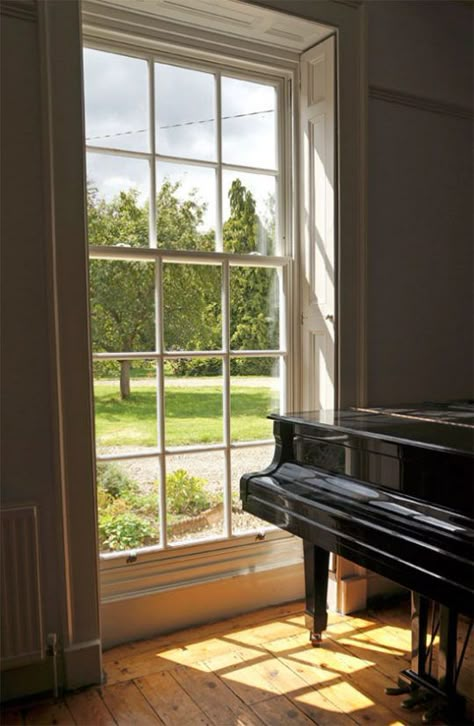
(22, 638)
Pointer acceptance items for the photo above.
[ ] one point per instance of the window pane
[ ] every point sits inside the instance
(192, 307)
(186, 207)
(194, 488)
(248, 123)
(117, 200)
(125, 406)
(185, 112)
(128, 504)
(122, 304)
(249, 212)
(193, 401)
(116, 101)
(254, 308)
(243, 462)
(254, 393)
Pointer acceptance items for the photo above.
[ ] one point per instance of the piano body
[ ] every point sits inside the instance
(391, 489)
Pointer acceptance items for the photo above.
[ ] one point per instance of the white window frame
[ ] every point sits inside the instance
(283, 80)
(64, 214)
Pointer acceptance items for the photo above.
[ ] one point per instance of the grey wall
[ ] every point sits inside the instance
(420, 236)
(28, 446)
(46, 422)
(420, 189)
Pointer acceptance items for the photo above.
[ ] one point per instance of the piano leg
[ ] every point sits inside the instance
(316, 568)
(419, 629)
(447, 649)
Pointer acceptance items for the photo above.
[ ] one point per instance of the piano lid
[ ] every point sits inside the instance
(447, 427)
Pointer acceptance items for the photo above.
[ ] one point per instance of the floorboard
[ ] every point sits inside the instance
(254, 670)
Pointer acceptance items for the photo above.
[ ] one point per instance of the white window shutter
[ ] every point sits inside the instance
(317, 224)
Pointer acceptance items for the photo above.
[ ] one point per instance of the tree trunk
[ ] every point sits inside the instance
(124, 379)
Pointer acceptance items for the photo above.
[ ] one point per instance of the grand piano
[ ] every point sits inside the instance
(391, 489)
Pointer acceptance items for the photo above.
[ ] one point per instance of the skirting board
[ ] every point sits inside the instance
(78, 666)
(82, 664)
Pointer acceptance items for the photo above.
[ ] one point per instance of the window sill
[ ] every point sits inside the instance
(155, 571)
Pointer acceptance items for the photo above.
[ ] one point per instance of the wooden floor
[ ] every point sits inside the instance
(254, 669)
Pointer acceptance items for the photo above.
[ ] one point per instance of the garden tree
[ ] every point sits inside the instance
(191, 293)
(269, 225)
(123, 292)
(254, 316)
(178, 220)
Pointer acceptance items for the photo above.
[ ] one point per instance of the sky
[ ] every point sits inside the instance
(117, 115)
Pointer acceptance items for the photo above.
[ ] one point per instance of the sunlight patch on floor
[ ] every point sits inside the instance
(349, 698)
(359, 642)
(316, 700)
(328, 660)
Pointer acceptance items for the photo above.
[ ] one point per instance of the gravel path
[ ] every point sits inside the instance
(208, 465)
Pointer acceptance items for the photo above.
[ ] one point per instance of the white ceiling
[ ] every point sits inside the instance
(231, 17)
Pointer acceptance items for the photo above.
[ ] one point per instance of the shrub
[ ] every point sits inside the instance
(186, 493)
(103, 499)
(196, 367)
(125, 531)
(128, 517)
(114, 480)
(106, 369)
(145, 504)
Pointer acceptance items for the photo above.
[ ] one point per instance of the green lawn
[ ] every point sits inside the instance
(193, 414)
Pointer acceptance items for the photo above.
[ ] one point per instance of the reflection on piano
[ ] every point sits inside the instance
(391, 489)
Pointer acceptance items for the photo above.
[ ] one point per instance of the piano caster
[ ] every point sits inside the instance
(316, 639)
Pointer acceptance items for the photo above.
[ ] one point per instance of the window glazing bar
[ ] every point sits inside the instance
(112, 151)
(250, 169)
(257, 353)
(226, 398)
(112, 252)
(177, 450)
(160, 399)
(185, 161)
(148, 454)
(219, 215)
(151, 116)
(177, 354)
(179, 160)
(252, 444)
(283, 281)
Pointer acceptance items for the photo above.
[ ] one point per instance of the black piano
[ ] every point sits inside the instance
(391, 489)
